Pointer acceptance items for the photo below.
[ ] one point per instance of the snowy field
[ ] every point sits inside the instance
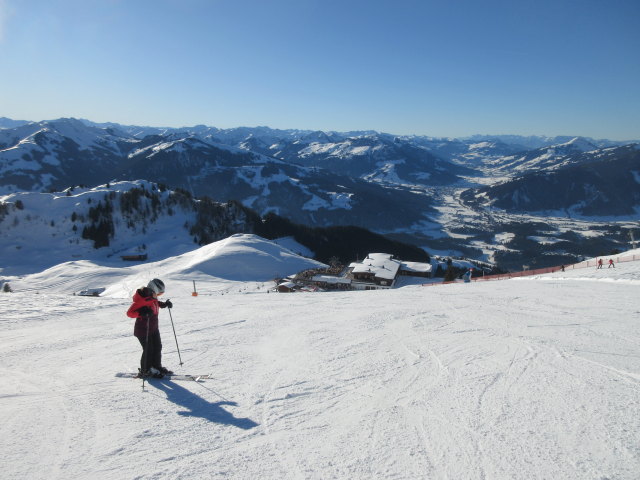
(533, 378)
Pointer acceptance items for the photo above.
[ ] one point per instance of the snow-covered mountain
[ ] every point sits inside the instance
(407, 187)
(54, 155)
(377, 158)
(590, 183)
(57, 154)
(242, 161)
(482, 153)
(106, 222)
(303, 194)
(9, 123)
(551, 157)
(534, 142)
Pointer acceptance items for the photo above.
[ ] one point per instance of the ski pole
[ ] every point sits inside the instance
(144, 353)
(175, 336)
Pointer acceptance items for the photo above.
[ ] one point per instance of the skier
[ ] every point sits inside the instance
(467, 276)
(611, 264)
(145, 310)
(599, 263)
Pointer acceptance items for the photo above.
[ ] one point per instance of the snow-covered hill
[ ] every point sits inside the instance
(547, 158)
(377, 158)
(39, 156)
(530, 378)
(596, 183)
(39, 230)
(241, 257)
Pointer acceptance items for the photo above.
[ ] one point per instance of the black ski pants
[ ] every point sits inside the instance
(151, 351)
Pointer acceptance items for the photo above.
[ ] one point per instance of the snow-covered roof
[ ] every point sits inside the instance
(330, 279)
(382, 265)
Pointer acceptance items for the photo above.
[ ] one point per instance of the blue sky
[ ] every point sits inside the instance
(439, 68)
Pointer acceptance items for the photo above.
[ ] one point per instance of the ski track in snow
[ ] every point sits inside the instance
(489, 380)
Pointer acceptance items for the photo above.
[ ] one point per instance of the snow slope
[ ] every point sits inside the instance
(241, 257)
(41, 235)
(530, 378)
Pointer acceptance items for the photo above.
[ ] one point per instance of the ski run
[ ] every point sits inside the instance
(530, 378)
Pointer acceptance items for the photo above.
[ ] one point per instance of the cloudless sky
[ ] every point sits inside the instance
(439, 68)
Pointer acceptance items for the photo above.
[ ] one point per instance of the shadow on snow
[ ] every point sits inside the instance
(199, 407)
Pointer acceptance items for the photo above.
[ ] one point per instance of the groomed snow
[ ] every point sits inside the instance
(531, 378)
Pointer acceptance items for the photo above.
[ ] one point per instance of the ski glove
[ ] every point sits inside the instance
(166, 304)
(143, 311)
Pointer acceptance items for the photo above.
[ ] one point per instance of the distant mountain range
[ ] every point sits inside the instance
(54, 155)
(594, 183)
(414, 187)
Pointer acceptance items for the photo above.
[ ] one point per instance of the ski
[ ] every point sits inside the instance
(172, 376)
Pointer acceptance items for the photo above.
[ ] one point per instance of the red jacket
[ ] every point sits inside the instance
(144, 298)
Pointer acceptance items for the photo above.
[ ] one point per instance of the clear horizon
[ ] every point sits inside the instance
(409, 67)
(631, 140)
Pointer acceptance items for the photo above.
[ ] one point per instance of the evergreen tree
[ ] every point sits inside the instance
(451, 274)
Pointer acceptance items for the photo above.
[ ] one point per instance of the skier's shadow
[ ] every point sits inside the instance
(199, 407)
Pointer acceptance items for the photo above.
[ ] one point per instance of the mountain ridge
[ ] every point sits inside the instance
(415, 189)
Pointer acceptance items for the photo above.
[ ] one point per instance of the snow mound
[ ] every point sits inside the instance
(241, 257)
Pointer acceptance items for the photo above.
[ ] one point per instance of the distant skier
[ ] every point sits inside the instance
(467, 276)
(600, 263)
(562, 268)
(145, 310)
(611, 264)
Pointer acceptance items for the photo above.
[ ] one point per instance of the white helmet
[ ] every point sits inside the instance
(157, 286)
